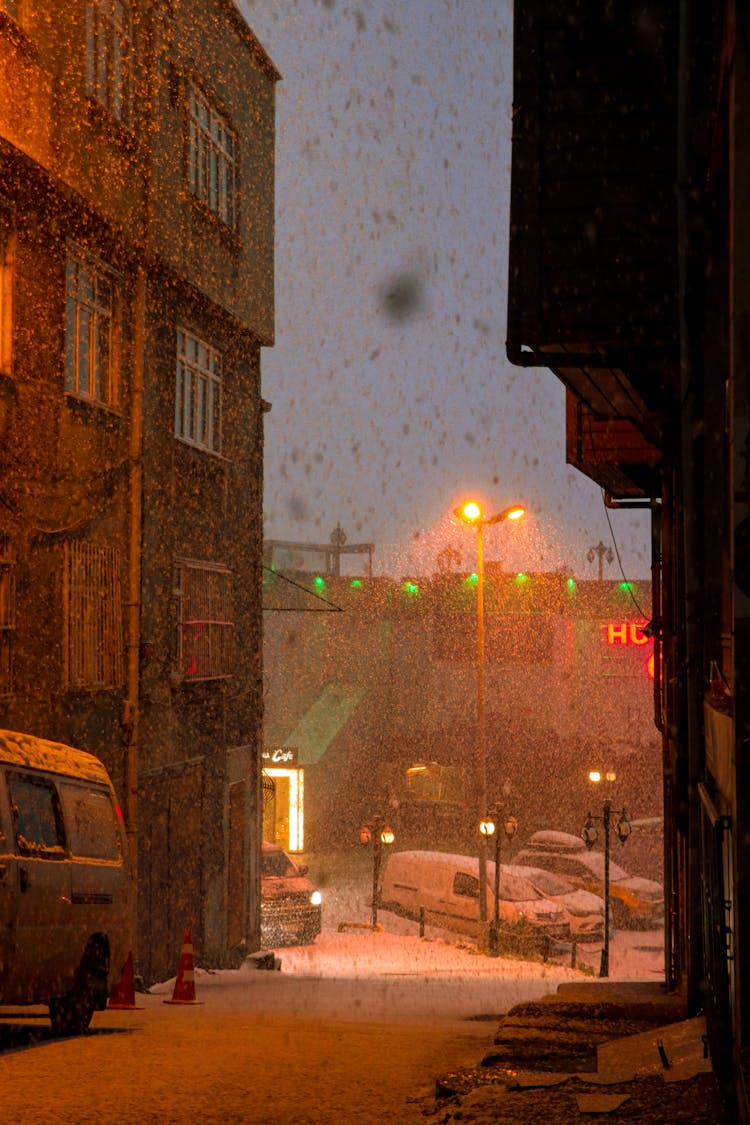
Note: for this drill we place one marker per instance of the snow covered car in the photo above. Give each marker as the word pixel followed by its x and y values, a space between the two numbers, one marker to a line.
pixel 290 906
pixel 635 902
pixel 446 888
pixel 585 910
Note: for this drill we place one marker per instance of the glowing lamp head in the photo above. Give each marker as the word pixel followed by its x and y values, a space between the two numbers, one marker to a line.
pixel 594 775
pixel 387 836
pixel 515 513
pixel 470 512
pixel 487 826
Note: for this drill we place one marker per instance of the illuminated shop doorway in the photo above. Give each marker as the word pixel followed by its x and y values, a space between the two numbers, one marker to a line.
pixel 283 803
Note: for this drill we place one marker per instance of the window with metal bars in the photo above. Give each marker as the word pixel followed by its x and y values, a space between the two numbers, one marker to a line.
pixel 205 628
pixel 109 53
pixel 7 615
pixel 212 157
pixel 197 409
pixel 93 617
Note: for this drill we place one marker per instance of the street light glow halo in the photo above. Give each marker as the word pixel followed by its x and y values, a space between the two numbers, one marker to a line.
pixel 470 512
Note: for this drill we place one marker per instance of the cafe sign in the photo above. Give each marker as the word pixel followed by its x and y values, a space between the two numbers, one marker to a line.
pixel 280 756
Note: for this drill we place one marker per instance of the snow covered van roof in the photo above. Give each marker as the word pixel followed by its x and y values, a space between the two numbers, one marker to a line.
pixel 40 754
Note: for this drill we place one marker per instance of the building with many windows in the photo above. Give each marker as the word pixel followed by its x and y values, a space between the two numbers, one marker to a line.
pixel 136 293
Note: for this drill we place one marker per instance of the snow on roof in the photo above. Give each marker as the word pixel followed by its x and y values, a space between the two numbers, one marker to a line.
pixel 558 840
pixel 27 750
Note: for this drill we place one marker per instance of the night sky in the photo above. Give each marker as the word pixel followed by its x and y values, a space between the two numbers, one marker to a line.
pixel 392 397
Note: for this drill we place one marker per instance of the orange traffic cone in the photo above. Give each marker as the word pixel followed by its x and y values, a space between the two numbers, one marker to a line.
pixel 123 993
pixel 184 986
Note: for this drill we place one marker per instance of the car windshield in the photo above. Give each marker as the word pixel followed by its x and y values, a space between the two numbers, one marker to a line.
pixel 595 862
pixel 550 884
pixel 278 864
pixel 513 888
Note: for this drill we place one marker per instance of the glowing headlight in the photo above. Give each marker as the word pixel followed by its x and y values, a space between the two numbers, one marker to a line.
pixel 316 898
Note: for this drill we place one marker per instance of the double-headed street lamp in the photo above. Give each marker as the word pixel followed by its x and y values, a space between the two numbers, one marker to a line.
pixel 380 835
pixel 496 818
pixel 590 835
pixel 471 513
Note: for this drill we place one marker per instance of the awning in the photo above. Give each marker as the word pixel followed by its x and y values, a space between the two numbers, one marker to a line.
pixel 319 726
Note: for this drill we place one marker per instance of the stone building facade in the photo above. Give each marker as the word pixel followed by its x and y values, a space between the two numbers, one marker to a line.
pixel 136 293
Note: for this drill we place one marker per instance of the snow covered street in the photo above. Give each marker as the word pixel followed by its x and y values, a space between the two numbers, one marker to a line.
pixel 355 1027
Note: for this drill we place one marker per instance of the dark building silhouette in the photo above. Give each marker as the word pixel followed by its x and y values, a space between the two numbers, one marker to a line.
pixel 628 278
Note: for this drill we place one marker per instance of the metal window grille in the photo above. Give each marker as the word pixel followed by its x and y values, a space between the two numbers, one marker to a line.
pixel 89 330
pixel 93 617
pixel 7 615
pixel 197 412
pixel 108 56
pixel 212 158
pixel 205 628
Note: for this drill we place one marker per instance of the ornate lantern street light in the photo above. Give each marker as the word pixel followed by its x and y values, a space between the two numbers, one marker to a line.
pixel 589 836
pixel 380 835
pixel 489 827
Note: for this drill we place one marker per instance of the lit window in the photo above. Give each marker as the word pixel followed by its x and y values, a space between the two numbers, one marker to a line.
pixel 93 617
pixel 197 409
pixel 7 262
pixel 205 629
pixel 212 158
pixel 108 55
pixel 7 615
pixel 89 330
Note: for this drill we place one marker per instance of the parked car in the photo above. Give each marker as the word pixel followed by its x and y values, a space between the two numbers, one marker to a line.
pixel 65 883
pixel 290 906
pixel 585 910
pixel 635 902
pixel 446 888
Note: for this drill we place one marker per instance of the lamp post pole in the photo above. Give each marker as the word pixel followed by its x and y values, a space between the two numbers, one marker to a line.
pixel 376 846
pixel 589 836
pixel 471 513
pixel 481 733
pixel 496 818
pixel 378 833
pixel 606 817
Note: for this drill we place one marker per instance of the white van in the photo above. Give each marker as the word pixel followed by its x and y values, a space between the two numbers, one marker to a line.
pixel 446 888
pixel 65 884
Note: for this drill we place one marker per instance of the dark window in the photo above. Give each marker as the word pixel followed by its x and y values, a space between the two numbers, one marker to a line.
pixel 37 824
pixel 278 865
pixel 466 885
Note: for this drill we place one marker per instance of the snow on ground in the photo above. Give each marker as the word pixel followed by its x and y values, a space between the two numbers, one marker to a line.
pixel 394 974
pixel 364 975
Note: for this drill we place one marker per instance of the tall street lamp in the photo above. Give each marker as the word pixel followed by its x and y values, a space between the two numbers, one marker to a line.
pixel 471 513
pixel 589 835
pixel 497 817
pixel 379 834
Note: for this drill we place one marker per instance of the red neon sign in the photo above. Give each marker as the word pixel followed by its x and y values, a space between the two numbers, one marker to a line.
pixel 626 633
